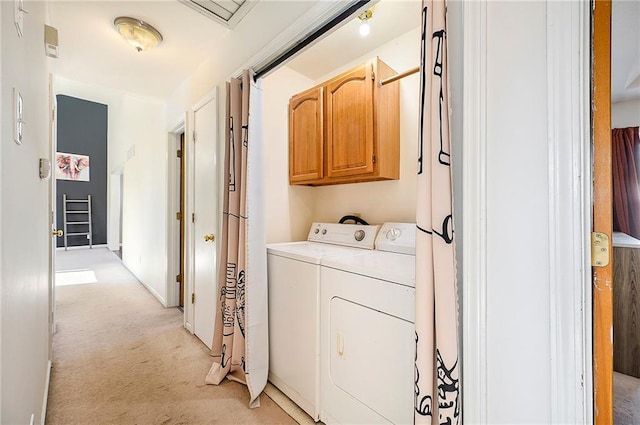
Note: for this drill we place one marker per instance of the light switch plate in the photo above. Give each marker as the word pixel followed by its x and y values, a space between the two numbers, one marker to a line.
pixel 18 15
pixel 18 116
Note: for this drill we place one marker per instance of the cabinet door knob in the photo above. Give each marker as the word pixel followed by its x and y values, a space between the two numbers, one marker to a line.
pixel 209 238
pixel 57 233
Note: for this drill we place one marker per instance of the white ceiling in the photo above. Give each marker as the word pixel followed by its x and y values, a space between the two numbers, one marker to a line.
pixel 625 50
pixel 91 50
pixel 391 19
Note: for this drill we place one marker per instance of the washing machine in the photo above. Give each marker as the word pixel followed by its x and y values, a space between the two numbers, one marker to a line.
pixel 293 275
pixel 367 316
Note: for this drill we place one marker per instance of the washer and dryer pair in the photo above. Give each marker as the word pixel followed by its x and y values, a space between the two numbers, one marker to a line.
pixel 341 322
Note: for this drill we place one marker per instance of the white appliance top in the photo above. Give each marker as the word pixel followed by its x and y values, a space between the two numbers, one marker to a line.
pixel 309 252
pixel 354 235
pixel 397 237
pixel 388 266
pixel 623 240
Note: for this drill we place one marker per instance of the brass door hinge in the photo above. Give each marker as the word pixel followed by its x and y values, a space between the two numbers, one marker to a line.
pixel 193 298
pixel 599 249
pixel 178 278
pixel 179 215
pixel 193 217
pixel 179 153
pixel 373 159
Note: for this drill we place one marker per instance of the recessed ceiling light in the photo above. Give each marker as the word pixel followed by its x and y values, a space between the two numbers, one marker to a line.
pixel 138 33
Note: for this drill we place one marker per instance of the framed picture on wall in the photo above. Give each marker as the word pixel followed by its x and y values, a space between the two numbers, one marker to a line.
pixel 72 166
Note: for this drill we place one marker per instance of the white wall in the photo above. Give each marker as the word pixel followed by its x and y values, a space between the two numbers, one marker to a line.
pixel 625 114
pixel 135 123
pixel 393 200
pixel 289 208
pixel 527 213
pixel 518 292
pixel 24 225
pixel 244 47
pixel 234 52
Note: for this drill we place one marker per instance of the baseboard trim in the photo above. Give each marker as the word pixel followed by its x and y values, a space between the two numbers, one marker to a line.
pixel 146 285
pixel 43 414
pixel 72 248
pixel 286 404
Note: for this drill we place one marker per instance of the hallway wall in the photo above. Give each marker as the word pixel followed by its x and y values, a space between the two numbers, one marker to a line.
pixel 82 129
pixel 24 222
pixel 137 147
pixel 625 113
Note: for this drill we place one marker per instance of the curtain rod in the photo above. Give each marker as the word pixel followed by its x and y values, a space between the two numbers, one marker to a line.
pixel 399 76
pixel 310 39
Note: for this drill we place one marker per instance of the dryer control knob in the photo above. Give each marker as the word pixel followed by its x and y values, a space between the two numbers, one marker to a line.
pixel 359 235
pixel 316 231
pixel 324 231
pixel 394 233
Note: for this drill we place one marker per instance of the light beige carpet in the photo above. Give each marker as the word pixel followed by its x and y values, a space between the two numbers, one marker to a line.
pixel 626 399
pixel 120 357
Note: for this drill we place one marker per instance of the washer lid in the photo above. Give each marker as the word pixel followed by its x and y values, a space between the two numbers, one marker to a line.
pixel 388 266
pixel 310 252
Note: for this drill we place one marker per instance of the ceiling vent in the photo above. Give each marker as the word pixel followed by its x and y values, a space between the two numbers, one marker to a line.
pixel 225 12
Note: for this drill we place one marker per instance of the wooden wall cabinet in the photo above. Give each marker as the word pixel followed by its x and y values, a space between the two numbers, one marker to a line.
pixel 347 129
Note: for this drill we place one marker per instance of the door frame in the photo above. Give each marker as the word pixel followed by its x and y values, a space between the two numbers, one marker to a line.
pixel 602 214
pixel 568 71
pixel 53 121
pixel 173 225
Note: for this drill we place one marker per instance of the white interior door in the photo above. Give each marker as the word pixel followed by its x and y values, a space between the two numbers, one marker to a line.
pixel 205 219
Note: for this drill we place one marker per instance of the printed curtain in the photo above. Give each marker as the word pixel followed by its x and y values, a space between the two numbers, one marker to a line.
pixel 625 148
pixel 437 371
pixel 240 338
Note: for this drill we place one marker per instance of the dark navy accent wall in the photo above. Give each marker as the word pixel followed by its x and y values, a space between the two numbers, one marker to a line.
pixel 82 129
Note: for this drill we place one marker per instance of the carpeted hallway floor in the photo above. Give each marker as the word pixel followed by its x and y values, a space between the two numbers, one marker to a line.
pixel 120 357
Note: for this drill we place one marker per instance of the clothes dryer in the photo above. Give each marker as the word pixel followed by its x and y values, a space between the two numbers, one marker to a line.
pixel 368 333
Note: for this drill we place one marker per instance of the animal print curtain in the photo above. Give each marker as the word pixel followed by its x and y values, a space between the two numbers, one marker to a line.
pixel 240 339
pixel 437 372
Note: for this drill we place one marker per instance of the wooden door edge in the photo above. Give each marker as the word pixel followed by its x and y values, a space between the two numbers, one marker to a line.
pixel 602 213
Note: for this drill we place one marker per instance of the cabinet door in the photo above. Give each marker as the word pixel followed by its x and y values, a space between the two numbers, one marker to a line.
pixel 306 135
pixel 350 123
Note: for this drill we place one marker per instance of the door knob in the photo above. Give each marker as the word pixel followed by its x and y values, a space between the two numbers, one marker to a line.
pixel 209 238
pixel 57 233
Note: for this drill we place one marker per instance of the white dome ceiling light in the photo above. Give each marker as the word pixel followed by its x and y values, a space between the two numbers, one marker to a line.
pixel 138 33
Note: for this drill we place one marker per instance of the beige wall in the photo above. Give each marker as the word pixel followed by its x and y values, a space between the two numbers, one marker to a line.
pixel 625 114
pixel 24 225
pixel 133 126
pixel 289 209
pixel 292 209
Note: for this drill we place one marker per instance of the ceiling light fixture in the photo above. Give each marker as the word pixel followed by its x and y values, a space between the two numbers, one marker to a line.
pixel 364 19
pixel 138 33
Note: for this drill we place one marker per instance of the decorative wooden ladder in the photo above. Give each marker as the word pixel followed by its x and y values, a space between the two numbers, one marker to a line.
pixel 81 218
